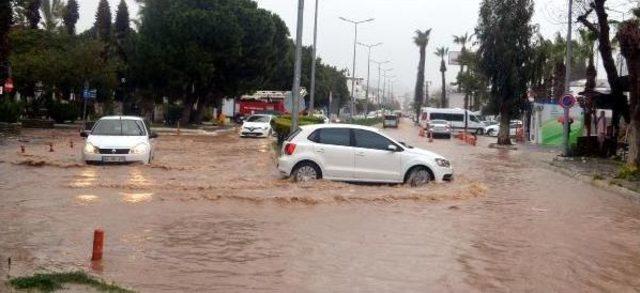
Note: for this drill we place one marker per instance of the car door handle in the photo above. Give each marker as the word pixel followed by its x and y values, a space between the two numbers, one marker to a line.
pixel 320 151
pixel 360 154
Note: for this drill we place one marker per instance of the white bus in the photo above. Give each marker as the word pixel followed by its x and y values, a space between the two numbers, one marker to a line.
pixel 456 117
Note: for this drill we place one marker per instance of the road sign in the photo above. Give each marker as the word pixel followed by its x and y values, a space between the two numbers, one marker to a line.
pixel 568 101
pixel 89 94
pixel 8 85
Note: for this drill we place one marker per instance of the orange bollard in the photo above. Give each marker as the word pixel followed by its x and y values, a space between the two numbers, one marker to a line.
pixel 98 244
pixel 51 147
pixel 22 149
pixel 430 136
pixel 421 132
pixel 178 129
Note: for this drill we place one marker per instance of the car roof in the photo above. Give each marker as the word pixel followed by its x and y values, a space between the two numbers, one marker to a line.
pixel 121 117
pixel 338 125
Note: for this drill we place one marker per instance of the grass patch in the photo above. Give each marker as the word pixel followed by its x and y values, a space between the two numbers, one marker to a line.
pixel 49 282
pixel 629 173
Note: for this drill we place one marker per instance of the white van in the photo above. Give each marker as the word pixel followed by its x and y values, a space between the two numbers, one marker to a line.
pixel 454 116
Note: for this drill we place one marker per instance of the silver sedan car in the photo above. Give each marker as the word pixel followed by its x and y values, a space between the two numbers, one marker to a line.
pixel 440 128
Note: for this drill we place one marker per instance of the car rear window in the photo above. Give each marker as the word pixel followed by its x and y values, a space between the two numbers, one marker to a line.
pixel 332 136
pixel 293 135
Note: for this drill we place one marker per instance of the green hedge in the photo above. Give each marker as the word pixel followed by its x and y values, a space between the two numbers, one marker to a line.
pixel 282 125
pixel 60 112
pixel 10 111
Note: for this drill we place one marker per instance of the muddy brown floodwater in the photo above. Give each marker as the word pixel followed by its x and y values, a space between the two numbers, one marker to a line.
pixel 212 214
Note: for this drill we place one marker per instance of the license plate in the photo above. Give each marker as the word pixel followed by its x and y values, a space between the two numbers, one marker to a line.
pixel 112 159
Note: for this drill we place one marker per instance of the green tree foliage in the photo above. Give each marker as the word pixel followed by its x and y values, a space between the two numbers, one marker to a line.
pixel 442 52
pixel 71 16
pixel 102 24
pixel 122 25
pixel 421 40
pixel 504 34
pixel 6 20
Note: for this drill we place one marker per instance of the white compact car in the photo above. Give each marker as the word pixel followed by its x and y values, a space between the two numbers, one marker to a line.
pixel 440 128
pixel 358 154
pixel 257 126
pixel 119 139
pixel 494 129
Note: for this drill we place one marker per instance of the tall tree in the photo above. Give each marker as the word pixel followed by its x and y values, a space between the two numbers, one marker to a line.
pixel 629 38
pixel 102 25
pixel 71 16
pixel 504 34
pixel 6 20
pixel 122 24
pixel 462 40
pixel 442 52
pixel 32 13
pixel 421 40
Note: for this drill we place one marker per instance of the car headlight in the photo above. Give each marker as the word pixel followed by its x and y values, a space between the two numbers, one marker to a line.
pixel 443 163
pixel 90 149
pixel 139 149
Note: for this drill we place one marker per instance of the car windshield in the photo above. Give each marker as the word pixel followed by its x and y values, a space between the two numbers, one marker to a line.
pixel 119 127
pixel 263 119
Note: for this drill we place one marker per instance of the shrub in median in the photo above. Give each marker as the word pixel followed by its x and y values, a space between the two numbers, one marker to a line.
pixel 10 111
pixel 282 125
pixel 62 112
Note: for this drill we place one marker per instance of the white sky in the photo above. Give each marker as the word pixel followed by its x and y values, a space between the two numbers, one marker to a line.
pixel 394 25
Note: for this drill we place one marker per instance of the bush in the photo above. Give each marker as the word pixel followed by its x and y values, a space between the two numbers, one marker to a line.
pixel 282 125
pixel 10 111
pixel 173 114
pixel 62 112
pixel 629 173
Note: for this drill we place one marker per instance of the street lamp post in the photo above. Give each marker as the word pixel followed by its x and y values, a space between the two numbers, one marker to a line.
pixel 353 73
pixel 384 84
pixel 379 78
pixel 313 62
pixel 366 101
pixel 295 92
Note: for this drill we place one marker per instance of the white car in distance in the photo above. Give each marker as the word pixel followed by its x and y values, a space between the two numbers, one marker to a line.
pixel 258 125
pixel 358 154
pixel 119 139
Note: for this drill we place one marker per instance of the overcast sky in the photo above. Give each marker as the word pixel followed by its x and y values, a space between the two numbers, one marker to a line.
pixel 394 25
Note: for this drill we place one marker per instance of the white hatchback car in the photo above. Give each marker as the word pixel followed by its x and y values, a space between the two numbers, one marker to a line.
pixel 258 125
pixel 119 139
pixel 358 154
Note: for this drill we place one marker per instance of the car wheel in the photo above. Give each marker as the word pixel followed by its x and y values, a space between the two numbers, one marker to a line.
pixel 419 177
pixel 305 172
pixel 490 132
pixel 480 131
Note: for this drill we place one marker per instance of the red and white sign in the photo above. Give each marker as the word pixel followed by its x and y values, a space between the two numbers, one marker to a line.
pixel 568 101
pixel 8 85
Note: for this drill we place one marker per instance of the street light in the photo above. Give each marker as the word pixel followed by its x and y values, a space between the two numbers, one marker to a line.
pixel 366 101
pixel 313 62
pixel 355 46
pixel 384 83
pixel 380 76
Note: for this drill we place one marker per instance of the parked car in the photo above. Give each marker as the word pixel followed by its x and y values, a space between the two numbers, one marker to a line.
pixel 119 139
pixel 358 154
pixel 390 121
pixel 440 128
pixel 493 130
pixel 258 125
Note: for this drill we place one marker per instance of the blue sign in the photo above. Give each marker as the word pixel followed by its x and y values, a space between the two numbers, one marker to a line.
pixel 89 94
pixel 568 101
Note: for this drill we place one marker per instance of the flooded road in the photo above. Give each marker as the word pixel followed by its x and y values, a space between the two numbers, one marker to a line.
pixel 212 214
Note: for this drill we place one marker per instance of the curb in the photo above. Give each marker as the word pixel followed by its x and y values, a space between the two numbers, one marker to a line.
pixel 600 183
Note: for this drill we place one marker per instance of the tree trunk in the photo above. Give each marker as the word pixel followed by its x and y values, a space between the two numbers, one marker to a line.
pixel 419 92
pixel 444 90
pixel 559 72
pixel 629 37
pixel 189 100
pixel 504 137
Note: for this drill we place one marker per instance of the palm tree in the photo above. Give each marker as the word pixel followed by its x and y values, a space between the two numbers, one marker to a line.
pixel 421 40
pixel 442 52
pixel 53 11
pixel 462 40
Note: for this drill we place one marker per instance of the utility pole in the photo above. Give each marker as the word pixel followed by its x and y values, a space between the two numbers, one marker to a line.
pixel 295 92
pixel 312 98
pixel 355 51
pixel 366 101
pixel 567 86
pixel 384 84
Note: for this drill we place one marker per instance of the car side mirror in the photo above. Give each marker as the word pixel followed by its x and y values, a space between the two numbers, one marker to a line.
pixel 84 134
pixel 392 148
pixel 153 135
